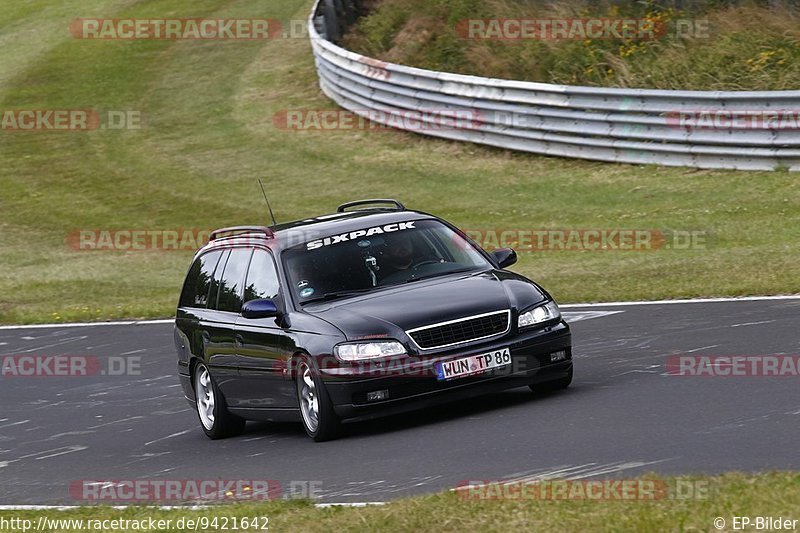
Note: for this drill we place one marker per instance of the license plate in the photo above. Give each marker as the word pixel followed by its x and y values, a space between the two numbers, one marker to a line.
pixel 472 365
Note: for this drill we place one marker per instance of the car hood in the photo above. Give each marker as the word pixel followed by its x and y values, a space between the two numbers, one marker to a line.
pixel 390 312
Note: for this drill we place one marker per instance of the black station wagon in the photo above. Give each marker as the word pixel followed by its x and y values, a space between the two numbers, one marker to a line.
pixel 369 311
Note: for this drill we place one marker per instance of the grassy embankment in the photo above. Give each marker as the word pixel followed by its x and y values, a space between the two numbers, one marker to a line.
pixel 769 495
pixel 207 133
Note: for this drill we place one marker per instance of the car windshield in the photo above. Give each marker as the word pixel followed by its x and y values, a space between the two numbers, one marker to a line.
pixel 374 257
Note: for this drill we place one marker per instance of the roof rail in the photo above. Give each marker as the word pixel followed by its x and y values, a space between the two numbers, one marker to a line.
pixel 397 206
pixel 218 234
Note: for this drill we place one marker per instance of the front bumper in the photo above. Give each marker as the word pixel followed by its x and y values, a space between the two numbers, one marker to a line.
pixel 418 387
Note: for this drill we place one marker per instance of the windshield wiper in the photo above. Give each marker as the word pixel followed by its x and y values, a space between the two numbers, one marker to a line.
pixel 336 294
pixel 353 292
pixel 437 274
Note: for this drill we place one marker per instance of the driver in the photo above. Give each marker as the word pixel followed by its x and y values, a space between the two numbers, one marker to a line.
pixel 399 253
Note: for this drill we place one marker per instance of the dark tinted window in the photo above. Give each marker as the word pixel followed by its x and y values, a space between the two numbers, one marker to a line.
pixel 230 287
pixel 386 255
pixel 214 291
pixel 198 281
pixel 262 279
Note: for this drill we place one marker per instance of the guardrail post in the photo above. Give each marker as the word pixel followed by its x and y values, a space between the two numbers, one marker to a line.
pixel 332 28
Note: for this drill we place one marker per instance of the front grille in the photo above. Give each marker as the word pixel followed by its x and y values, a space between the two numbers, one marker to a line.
pixel 462 330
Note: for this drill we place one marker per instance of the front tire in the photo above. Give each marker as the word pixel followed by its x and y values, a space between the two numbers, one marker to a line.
pixel 316 409
pixel 216 421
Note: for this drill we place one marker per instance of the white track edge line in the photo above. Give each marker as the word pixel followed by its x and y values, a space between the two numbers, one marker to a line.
pixel 685 301
pixel 90 324
pixel 564 306
pixel 161 507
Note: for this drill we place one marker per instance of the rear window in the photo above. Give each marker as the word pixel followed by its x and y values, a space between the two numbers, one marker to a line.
pixel 198 280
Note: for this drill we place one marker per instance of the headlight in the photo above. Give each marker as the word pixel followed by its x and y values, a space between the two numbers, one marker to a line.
pixel 543 313
pixel 362 351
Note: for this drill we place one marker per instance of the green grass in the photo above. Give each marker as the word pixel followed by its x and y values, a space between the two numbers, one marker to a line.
pixel 766 495
pixel 710 45
pixel 207 112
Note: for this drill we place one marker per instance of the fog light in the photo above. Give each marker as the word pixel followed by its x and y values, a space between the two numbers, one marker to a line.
pixel 378 395
pixel 558 356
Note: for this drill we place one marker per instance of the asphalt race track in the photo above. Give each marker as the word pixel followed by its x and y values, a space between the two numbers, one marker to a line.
pixel 623 416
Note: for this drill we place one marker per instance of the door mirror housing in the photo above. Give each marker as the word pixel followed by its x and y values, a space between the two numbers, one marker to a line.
pixel 505 257
pixel 261 308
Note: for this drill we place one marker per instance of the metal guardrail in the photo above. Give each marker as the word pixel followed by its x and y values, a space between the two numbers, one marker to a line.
pixel 606 124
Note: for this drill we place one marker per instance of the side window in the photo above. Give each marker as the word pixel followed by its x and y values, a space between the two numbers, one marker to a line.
pixel 214 291
pixel 230 286
pixel 262 279
pixel 198 280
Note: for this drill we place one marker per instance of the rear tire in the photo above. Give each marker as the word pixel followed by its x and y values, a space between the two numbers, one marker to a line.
pixel 216 421
pixel 316 408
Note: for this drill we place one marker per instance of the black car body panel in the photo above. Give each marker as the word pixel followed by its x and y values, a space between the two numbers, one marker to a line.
pixel 252 360
pixel 445 298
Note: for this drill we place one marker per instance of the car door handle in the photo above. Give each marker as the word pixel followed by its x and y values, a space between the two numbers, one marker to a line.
pixel 206 337
pixel 239 340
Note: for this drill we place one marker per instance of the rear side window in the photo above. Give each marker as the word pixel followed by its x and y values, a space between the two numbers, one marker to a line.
pixel 198 281
pixel 262 279
pixel 232 281
pixel 212 295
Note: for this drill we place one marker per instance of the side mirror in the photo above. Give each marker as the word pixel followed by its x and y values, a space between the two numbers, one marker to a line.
pixel 263 308
pixel 505 257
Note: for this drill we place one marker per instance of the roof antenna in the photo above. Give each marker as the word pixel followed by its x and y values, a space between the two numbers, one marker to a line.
pixel 268 206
